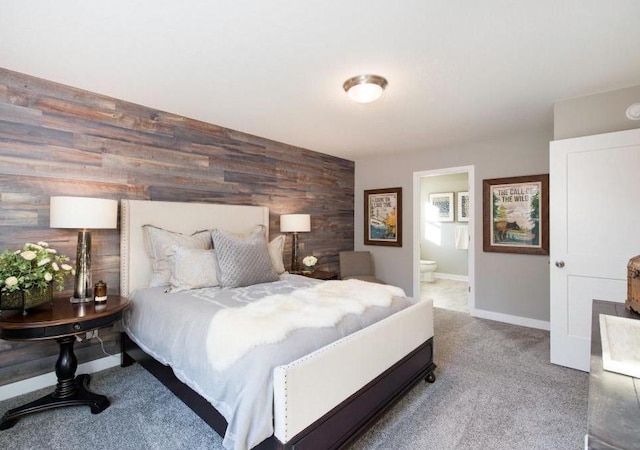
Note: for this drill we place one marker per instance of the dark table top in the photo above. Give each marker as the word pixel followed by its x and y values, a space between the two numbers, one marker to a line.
pixel 63 318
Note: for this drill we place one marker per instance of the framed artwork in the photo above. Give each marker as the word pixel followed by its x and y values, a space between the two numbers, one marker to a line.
pixel 463 207
pixel 516 215
pixel 383 217
pixel 442 207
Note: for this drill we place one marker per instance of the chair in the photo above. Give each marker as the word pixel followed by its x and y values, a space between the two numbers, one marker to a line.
pixel 358 265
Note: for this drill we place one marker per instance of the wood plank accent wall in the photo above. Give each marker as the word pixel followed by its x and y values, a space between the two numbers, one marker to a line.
pixel 58 140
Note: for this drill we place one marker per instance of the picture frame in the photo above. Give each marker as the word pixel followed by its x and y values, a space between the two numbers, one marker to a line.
pixel 516 215
pixel 462 207
pixel 443 206
pixel 383 217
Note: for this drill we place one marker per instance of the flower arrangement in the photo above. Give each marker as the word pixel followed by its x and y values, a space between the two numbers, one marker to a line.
pixel 309 261
pixel 33 266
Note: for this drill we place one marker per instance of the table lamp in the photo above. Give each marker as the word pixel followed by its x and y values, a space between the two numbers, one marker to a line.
pixel 295 223
pixel 83 214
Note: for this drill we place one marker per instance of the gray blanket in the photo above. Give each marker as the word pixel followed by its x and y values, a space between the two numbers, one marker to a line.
pixel 173 328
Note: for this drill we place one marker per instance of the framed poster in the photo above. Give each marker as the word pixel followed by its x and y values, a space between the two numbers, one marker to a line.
pixel 463 207
pixel 383 217
pixel 516 215
pixel 442 204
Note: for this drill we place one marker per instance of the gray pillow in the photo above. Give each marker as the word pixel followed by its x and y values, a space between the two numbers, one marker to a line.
pixel 243 260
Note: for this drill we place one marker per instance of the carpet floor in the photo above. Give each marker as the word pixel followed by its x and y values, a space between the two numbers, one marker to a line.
pixel 495 390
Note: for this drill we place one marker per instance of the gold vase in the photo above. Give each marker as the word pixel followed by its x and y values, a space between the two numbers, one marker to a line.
pixel 25 299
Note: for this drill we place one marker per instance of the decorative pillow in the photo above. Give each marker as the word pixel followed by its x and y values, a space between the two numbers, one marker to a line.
pixel 192 268
pixel 276 248
pixel 158 243
pixel 243 261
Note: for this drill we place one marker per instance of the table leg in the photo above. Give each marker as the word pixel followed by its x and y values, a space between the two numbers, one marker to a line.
pixel 70 390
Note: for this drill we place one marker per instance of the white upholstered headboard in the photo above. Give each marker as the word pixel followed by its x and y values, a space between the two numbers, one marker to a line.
pixel 186 218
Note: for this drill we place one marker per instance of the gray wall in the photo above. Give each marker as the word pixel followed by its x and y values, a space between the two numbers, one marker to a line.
pixel 449 259
pixel 510 284
pixel 516 285
pixel 595 114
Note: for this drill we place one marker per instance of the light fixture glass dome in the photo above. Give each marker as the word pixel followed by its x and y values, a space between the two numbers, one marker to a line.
pixel 633 112
pixel 365 88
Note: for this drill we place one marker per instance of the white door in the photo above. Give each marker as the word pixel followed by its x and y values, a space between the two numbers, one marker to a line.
pixel 594 231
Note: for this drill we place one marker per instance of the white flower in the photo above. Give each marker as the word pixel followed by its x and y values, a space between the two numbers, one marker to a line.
pixel 33 265
pixel 29 255
pixel 309 261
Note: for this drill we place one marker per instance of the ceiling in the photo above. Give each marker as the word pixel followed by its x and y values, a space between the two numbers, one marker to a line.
pixel 458 71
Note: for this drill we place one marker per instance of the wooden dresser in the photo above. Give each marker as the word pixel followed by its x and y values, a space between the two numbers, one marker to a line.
pixel 614 399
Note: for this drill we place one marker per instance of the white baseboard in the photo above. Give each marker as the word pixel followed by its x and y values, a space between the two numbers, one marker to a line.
pixel 50 379
pixel 451 276
pixel 514 320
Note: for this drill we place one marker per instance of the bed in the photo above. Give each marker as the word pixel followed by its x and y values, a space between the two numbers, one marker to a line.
pixel 324 397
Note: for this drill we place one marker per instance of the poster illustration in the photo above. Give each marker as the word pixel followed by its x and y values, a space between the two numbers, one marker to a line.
pixel 516 215
pixel 383 217
pixel 443 204
pixel 463 207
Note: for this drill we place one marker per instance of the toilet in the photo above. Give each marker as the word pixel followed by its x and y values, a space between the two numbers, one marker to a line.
pixel 428 270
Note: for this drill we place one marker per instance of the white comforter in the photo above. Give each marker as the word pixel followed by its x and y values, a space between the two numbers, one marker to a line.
pixel 173 328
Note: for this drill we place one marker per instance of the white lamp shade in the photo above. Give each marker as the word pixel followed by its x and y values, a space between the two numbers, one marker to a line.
pixel 295 223
pixel 83 213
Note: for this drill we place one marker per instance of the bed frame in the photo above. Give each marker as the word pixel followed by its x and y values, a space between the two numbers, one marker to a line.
pixel 322 400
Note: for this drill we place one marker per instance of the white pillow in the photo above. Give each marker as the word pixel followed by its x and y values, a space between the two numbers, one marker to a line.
pixel 192 268
pixel 276 248
pixel 158 244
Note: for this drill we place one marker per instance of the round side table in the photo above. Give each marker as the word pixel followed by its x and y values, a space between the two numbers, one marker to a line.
pixel 61 321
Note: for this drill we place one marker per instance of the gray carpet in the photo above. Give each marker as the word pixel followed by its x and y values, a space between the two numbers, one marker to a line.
pixel 495 390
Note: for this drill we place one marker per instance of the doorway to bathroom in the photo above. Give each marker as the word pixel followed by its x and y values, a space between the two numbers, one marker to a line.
pixel 443 237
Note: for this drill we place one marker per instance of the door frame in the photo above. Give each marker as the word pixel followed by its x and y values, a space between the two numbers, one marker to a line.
pixel 470 171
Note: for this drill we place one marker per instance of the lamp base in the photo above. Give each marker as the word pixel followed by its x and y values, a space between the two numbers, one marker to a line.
pixel 295 264
pixel 82 289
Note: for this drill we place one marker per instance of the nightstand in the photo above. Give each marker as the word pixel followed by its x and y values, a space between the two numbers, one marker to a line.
pixel 62 322
pixel 321 274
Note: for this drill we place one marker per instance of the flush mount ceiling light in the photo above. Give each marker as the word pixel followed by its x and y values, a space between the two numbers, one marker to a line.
pixel 633 112
pixel 365 88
